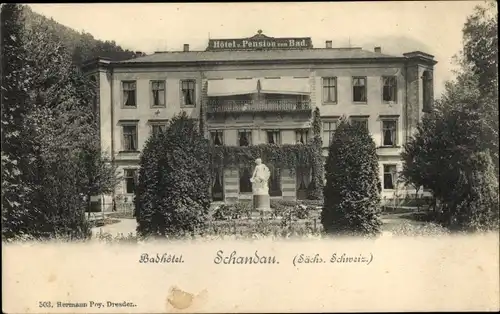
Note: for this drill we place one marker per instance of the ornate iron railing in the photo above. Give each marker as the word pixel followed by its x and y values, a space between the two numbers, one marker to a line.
pixel 216 106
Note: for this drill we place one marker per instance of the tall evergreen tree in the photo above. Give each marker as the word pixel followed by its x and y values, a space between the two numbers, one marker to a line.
pixel 15 134
pixel 352 190
pixel 315 188
pixel 172 196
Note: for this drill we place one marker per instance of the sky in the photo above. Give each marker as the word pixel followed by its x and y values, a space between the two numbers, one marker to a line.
pixel 433 27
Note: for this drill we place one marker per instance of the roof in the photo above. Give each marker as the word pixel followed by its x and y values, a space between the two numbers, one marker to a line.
pixel 264 55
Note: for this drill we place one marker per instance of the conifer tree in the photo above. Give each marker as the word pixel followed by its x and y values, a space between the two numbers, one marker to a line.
pixel 352 190
pixel 172 195
pixel 15 134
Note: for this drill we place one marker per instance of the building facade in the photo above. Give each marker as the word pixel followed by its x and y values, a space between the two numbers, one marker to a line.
pixel 261 90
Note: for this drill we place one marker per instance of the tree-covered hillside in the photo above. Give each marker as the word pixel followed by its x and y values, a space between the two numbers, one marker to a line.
pixel 83 46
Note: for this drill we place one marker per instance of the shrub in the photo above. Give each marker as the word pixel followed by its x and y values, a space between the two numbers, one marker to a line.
pixel 290 210
pixel 313 203
pixel 242 209
pixel 172 195
pixel 54 207
pixel 473 204
pixel 302 211
pixel 233 211
pixel 222 212
pixel 352 191
pixel 280 207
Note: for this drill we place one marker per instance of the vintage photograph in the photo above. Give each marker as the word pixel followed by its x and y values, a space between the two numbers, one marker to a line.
pixel 135 123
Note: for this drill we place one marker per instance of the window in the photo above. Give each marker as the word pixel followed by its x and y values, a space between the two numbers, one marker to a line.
pixel 389 132
pixel 302 136
pixel 245 137
pixel 328 130
pixel 360 122
pixel 389 89
pixel 245 184
pixel 274 181
pixel 129 94
pixel 188 92
pixel 428 93
pixel 329 89
pixel 274 137
pixel 389 177
pixel 158 93
pixel 130 180
pixel 359 89
pixel 217 137
pixel 130 137
pixel 157 128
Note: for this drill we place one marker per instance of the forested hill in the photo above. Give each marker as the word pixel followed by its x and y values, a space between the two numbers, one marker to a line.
pixel 83 46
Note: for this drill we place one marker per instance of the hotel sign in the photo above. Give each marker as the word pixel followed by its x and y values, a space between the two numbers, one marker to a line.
pixel 252 43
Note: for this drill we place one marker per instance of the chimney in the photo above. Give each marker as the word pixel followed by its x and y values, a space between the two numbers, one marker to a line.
pixel 186 47
pixel 328 44
pixel 378 49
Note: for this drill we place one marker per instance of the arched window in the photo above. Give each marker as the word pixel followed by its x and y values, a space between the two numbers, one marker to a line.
pixel 428 93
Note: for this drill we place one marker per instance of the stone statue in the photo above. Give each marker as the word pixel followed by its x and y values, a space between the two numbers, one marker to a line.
pixel 259 178
pixel 260 188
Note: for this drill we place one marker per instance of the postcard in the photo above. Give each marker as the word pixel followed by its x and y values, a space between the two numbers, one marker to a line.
pixel 250 157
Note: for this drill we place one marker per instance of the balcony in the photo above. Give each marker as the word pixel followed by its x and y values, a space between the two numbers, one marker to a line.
pixel 216 106
pixel 389 150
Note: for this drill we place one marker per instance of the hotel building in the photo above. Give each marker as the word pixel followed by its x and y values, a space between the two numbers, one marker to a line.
pixel 261 90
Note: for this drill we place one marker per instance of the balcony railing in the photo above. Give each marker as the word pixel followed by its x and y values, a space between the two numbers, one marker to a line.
pixel 258 106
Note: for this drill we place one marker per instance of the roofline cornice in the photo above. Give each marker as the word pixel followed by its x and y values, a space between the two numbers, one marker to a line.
pixel 422 60
pixel 103 64
pixel 258 62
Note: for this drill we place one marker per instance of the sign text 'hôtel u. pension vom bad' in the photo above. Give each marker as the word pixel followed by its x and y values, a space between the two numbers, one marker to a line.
pixel 259 42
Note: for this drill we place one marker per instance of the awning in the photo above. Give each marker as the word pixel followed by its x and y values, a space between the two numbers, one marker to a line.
pixel 287 85
pixel 230 87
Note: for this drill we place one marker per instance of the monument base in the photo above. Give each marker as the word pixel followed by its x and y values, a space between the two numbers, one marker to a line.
pixel 262 203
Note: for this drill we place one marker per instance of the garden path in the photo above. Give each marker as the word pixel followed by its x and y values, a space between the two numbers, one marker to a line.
pixel 125 226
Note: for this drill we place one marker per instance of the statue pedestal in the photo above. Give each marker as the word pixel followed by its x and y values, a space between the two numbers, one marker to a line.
pixel 262 203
